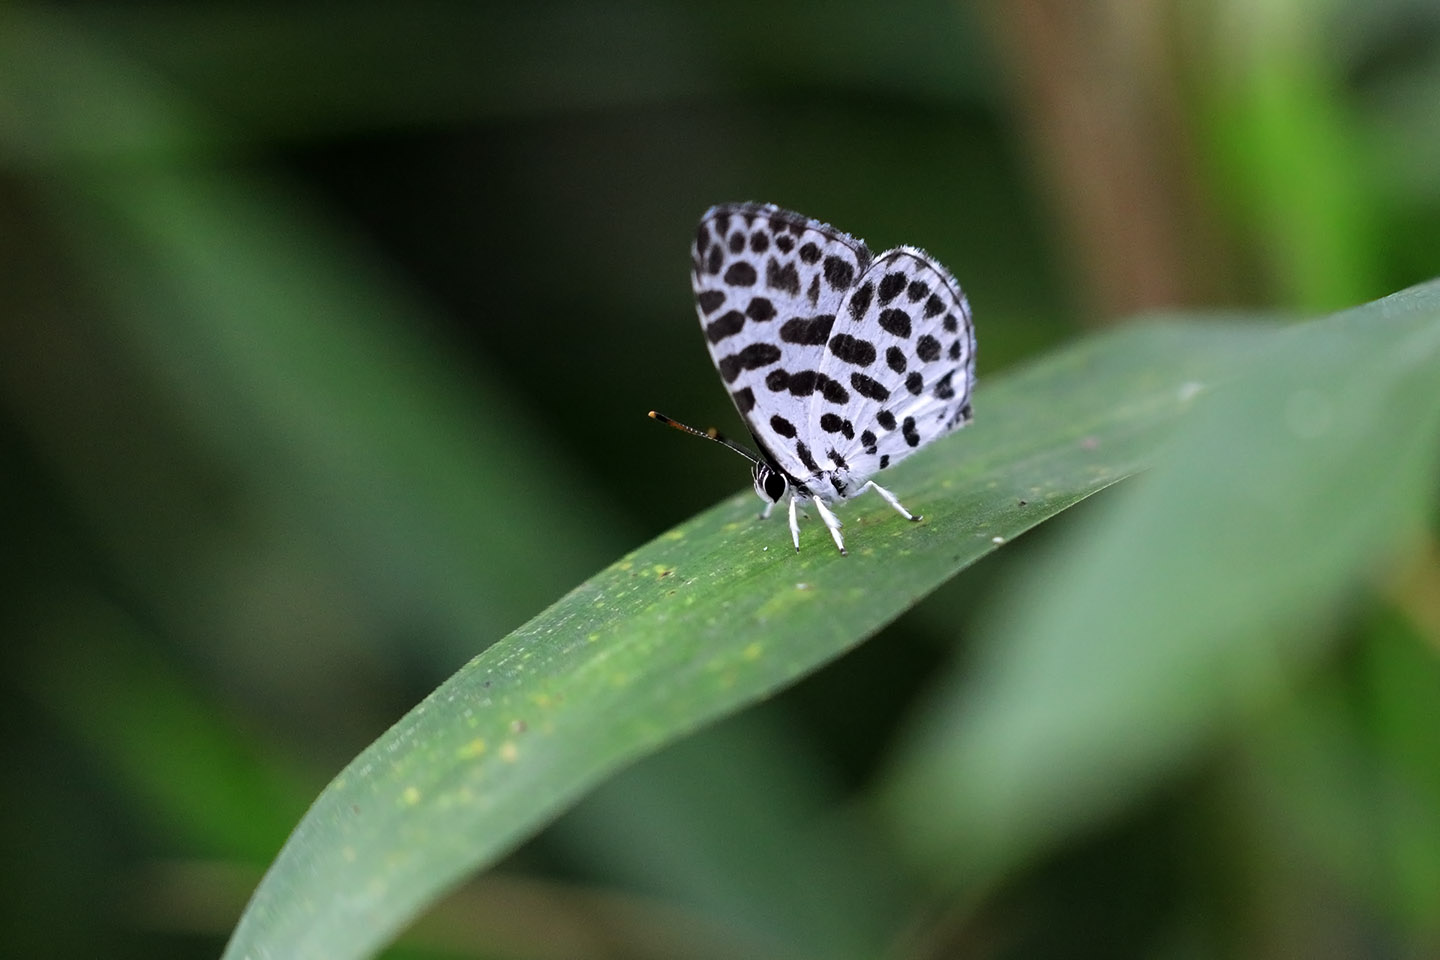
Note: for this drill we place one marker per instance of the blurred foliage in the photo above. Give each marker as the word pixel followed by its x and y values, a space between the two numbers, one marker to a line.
pixel 326 336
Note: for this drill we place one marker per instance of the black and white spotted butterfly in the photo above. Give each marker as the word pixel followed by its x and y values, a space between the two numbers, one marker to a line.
pixel 842 363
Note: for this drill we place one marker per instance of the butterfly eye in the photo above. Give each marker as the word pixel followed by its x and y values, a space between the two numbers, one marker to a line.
pixel 775 486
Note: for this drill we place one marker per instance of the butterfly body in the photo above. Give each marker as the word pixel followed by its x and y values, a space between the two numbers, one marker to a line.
pixel 841 362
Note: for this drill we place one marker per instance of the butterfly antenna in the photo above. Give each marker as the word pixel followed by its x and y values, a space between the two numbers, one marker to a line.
pixel 710 434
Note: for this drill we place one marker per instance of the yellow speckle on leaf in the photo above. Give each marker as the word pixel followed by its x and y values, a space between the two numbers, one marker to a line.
pixel 509 752
pixel 411 796
pixel 473 749
pixel 676 534
pixel 753 651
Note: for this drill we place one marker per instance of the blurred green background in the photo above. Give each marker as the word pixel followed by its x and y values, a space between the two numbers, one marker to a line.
pixel 326 337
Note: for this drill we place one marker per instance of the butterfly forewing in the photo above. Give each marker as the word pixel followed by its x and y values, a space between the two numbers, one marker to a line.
pixel 769 289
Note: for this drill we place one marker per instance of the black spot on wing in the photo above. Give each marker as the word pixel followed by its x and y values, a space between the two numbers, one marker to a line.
pixel 831 423
pixel 832 390
pixel 702 239
pixel 740 274
pixel 782 278
pixel 955 350
pixel 868 387
pixel 710 300
pixel 737 242
pixel 927 348
pixel 728 325
pixel 722 224
pixel 852 349
pixel 717 257
pixel 917 290
pixel 759 241
pixel 915 383
pixel 891 286
pixel 744 400
pixel 896 322
pixel 951 324
pixel 782 426
pixel 934 307
pixel 809 331
pixel 838 273
pixel 944 389
pixel 803 452
pixel 813 294
pixel 809 253
pixel 884 460
pixel 907 430
pixel 840 464
pixel 895 359
pixel 867 440
pixel 760 309
pixel 860 301
pixel 803 382
pixel 752 357
pixel 886 419
pixel 784 242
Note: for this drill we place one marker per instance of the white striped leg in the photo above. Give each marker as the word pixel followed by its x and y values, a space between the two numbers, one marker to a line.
pixel 831 521
pixel 765 514
pixel 890 499
pixel 794 523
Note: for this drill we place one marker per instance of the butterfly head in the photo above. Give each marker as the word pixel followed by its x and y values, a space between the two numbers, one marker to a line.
pixel 769 485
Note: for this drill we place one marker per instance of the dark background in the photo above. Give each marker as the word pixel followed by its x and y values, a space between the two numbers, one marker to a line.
pixel 327 331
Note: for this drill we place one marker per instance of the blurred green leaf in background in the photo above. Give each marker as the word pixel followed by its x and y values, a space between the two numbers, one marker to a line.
pixel 326 337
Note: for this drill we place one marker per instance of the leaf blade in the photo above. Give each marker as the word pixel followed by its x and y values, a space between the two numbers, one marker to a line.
pixel 717 613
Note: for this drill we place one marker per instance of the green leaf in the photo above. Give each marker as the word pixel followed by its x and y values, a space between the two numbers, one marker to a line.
pixel 713 615
pixel 1193 597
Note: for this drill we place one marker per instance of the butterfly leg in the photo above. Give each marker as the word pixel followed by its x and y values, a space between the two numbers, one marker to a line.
pixel 833 522
pixel 891 499
pixel 794 523
pixel 765 514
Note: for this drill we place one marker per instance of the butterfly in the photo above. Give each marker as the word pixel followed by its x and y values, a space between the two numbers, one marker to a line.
pixel 841 363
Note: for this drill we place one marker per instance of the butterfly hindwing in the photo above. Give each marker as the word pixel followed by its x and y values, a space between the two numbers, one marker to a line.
pixel 904 347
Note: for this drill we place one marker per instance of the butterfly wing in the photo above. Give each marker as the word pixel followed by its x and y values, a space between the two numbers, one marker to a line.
pixel 769 285
pixel 903 346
